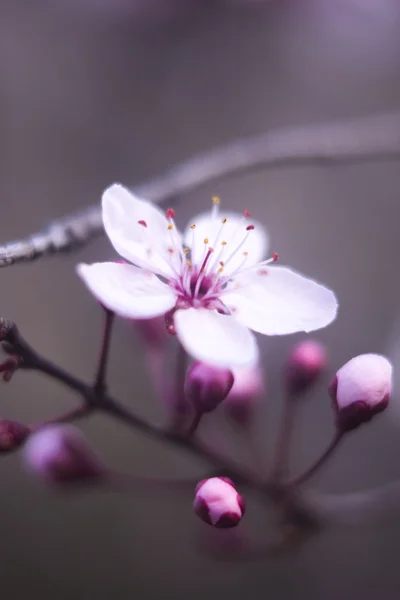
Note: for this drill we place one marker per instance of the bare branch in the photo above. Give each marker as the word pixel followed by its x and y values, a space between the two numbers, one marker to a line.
pixel 374 506
pixel 368 138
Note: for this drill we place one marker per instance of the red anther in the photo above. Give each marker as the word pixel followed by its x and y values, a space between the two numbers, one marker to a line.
pixel 143 223
pixel 170 213
pixel 249 227
pixel 275 256
pixel 246 214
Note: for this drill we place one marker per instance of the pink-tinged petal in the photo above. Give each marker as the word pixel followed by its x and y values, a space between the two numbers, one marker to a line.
pixel 233 233
pixel 127 290
pixel 214 338
pixel 139 231
pixel 278 301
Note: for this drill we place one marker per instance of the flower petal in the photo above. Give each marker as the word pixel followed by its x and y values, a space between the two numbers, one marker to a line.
pixel 139 231
pixel 127 290
pixel 208 226
pixel 277 301
pixel 214 338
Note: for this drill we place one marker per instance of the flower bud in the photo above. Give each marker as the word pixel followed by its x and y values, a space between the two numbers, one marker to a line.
pixel 361 389
pixel 207 386
pixel 218 503
pixel 60 455
pixel 305 364
pixel 12 435
pixel 248 387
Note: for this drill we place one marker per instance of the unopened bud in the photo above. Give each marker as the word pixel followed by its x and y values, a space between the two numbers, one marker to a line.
pixel 361 389
pixel 60 455
pixel 12 435
pixel 207 386
pixel 152 331
pixel 306 363
pixel 218 503
pixel 248 387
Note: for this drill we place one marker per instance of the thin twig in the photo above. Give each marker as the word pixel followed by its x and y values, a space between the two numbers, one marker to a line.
pixel 368 138
pixel 310 472
pixel 100 381
pixel 285 433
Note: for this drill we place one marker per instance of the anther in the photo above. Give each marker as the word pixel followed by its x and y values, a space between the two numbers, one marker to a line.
pixel 249 227
pixel 246 214
pixel 143 223
pixel 170 213
pixel 275 256
pixel 216 199
pixel 193 226
pixel 224 220
pixel 206 240
pixel 170 226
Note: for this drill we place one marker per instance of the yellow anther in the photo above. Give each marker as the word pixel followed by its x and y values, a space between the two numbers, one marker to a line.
pixel 186 251
pixel 224 220
pixel 189 263
pixel 220 270
pixel 223 243
pixel 216 199
pixel 206 240
pixel 170 226
pixel 193 226
pixel 245 253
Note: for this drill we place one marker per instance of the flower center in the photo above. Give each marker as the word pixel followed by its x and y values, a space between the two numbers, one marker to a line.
pixel 202 275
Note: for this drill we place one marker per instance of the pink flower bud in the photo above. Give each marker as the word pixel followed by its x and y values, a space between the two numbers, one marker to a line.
pixel 218 503
pixel 60 455
pixel 207 386
pixel 305 364
pixel 361 389
pixel 248 387
pixel 152 331
pixel 12 435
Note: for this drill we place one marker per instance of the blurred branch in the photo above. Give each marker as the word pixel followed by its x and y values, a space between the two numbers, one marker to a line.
pixel 374 506
pixel 368 138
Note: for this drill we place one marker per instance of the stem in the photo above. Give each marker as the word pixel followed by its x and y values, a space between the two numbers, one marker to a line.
pixel 68 417
pixel 282 454
pixel 100 381
pixel 179 404
pixel 195 423
pixel 310 472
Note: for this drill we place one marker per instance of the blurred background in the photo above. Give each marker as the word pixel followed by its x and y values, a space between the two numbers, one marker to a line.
pixel 97 91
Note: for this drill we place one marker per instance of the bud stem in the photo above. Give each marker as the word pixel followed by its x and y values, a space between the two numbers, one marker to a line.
pixel 195 423
pixel 310 472
pixel 282 452
pixel 100 381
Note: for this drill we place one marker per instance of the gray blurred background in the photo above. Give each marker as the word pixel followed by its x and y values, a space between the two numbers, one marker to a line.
pixel 97 91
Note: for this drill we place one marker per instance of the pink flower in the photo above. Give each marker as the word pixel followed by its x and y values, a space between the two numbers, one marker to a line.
pixel 212 281
pixel 361 389
pixel 218 503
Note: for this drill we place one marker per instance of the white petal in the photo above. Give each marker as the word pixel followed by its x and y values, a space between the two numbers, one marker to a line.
pixel 277 301
pixel 127 290
pixel 138 230
pixel 213 338
pixel 233 232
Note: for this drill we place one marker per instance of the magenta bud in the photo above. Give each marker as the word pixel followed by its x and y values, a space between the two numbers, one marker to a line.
pixel 12 435
pixel 361 389
pixel 207 386
pixel 218 503
pixel 60 455
pixel 248 387
pixel 305 364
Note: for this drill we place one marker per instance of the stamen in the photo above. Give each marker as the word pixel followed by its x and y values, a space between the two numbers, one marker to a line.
pixel 275 257
pixel 170 226
pixel 249 227
pixel 170 213
pixel 246 214
pixel 215 209
pixel 143 223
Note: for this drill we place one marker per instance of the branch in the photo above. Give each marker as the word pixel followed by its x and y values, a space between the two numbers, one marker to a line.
pixel 368 138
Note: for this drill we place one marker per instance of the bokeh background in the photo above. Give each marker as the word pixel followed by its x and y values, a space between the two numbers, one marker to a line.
pixel 97 91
